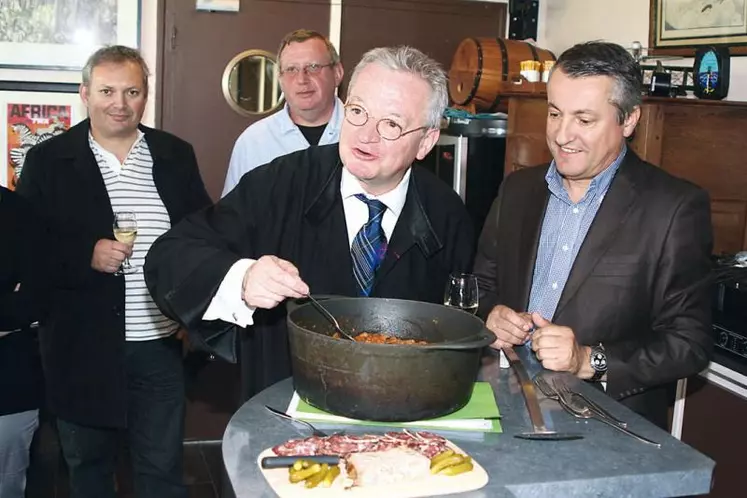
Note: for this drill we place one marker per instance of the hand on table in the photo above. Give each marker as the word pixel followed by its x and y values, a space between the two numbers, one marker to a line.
pixel 556 347
pixel 510 327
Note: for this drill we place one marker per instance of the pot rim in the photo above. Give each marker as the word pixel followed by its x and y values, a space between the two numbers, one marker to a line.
pixel 474 341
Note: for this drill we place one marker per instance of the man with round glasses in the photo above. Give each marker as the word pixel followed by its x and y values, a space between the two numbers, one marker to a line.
pixel 310 72
pixel 352 219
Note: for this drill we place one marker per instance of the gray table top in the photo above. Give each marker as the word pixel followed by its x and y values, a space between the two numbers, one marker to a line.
pixel 604 463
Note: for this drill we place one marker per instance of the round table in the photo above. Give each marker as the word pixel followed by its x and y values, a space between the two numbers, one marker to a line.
pixel 604 463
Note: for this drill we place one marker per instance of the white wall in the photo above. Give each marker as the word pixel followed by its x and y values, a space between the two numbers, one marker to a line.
pixel 148 38
pixel 562 23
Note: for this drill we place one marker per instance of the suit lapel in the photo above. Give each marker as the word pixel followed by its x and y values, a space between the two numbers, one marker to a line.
pixel 326 210
pixel 87 169
pixel 530 229
pixel 412 228
pixel 612 213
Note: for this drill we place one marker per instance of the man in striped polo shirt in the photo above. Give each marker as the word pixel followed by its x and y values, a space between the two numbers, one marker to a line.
pixel 112 360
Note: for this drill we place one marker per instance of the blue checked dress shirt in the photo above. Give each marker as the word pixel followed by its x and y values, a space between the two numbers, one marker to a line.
pixel 369 246
pixel 563 231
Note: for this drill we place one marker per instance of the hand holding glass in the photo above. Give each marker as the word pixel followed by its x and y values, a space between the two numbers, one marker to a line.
pixel 125 231
pixel 461 292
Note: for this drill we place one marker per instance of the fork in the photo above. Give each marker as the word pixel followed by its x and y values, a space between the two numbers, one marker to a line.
pixel 314 430
pixel 584 412
pixel 553 394
pixel 550 393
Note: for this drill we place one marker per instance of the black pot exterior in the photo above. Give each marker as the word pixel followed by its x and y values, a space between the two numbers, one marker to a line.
pixel 388 383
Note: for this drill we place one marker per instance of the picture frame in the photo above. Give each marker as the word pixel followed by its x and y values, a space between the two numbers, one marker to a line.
pixel 60 35
pixel 29 114
pixel 679 27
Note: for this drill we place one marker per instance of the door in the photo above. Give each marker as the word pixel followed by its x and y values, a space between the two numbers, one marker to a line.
pixel 195 48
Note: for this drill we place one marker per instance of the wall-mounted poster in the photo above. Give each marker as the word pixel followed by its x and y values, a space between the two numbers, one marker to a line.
pixel 28 125
pixel 28 118
pixel 61 34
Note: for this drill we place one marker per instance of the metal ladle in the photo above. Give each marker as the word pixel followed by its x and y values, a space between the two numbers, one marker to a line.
pixel 321 309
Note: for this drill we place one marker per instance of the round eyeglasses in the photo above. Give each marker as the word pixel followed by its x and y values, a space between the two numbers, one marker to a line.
pixel 387 128
pixel 311 68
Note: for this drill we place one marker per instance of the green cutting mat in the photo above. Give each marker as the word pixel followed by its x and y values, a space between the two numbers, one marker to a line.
pixel 481 405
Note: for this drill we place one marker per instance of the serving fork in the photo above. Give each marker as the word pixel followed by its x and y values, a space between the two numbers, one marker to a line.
pixel 584 412
pixel 551 393
pixel 314 430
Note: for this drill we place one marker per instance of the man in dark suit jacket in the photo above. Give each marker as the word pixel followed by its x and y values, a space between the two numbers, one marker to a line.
pixel 112 360
pixel 22 271
pixel 293 226
pixel 603 256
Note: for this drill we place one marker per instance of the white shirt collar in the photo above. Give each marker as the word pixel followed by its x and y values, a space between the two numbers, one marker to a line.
pixel 109 158
pixel 394 200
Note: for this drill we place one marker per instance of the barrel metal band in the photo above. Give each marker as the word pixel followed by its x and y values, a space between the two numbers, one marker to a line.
pixel 504 56
pixel 478 74
pixel 535 55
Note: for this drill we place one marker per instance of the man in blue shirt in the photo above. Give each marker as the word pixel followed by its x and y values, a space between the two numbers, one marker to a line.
pixel 601 258
pixel 310 72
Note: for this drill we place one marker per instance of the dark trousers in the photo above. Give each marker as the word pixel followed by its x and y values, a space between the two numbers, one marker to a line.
pixel 155 429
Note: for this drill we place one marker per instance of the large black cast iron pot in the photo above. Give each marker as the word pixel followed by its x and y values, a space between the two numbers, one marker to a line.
pixel 384 382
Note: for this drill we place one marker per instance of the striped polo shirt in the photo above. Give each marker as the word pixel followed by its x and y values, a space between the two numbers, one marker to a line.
pixel 131 187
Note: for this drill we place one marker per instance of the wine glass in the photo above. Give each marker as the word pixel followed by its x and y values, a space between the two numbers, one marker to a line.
pixel 461 292
pixel 125 231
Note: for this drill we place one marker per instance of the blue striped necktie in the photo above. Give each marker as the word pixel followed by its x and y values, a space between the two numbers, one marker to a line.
pixel 369 246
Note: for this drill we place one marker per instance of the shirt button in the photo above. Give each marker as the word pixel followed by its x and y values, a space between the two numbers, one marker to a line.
pixel 554 285
pixel 575 210
pixel 565 247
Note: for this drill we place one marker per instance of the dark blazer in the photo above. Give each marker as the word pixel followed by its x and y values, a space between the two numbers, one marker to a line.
pixel 639 284
pixel 82 339
pixel 292 208
pixel 22 261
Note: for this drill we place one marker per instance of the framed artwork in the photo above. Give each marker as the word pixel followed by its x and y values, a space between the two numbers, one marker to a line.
pixel 678 27
pixel 30 114
pixel 62 34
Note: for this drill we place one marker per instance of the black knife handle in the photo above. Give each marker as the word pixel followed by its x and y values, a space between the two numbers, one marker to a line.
pixel 276 462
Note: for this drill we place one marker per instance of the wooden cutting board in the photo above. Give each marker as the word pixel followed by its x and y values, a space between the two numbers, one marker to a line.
pixel 431 485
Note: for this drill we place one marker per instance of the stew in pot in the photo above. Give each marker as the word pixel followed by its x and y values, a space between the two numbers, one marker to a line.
pixel 375 338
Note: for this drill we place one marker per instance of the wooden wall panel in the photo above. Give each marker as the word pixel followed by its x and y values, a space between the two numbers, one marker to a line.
pixel 706 144
pixel 701 141
pixel 434 26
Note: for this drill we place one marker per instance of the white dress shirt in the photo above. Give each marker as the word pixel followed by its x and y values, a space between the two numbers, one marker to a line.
pixel 228 304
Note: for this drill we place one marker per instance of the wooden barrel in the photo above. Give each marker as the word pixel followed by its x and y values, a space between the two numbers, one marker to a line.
pixel 481 65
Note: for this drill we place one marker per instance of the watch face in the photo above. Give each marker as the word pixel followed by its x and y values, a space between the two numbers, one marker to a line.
pixel 598 360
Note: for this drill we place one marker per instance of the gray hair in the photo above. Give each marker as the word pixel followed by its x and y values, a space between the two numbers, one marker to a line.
pixel 598 58
pixel 301 35
pixel 411 60
pixel 116 54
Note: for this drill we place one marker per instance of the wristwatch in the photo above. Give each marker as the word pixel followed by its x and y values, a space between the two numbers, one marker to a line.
pixel 598 360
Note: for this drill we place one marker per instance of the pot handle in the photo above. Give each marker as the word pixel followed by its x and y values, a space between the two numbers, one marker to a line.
pixel 484 338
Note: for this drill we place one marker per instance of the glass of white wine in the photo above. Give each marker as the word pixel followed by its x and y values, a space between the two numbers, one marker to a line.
pixel 125 231
pixel 461 292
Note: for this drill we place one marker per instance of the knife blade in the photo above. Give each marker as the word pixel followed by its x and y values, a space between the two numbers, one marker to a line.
pixel 276 462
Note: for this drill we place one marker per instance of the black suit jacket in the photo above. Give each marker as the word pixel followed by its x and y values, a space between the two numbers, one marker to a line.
pixel 22 261
pixel 639 283
pixel 292 208
pixel 82 339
